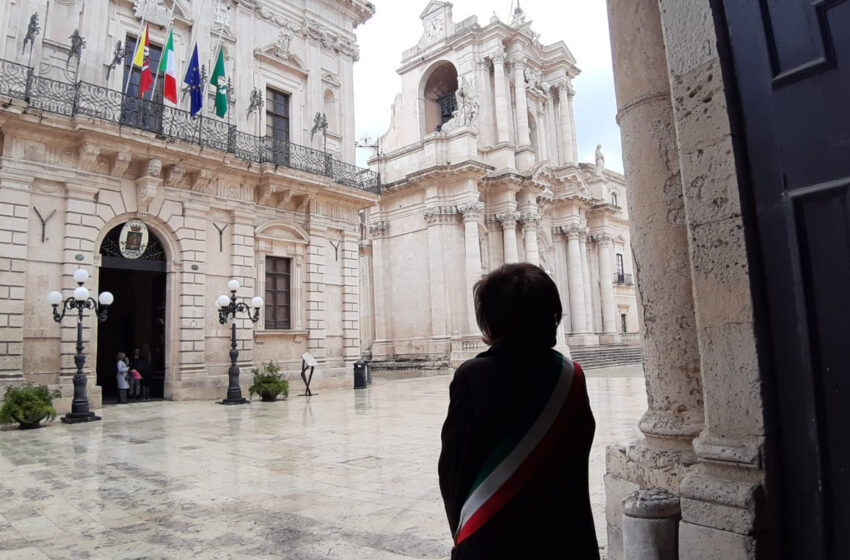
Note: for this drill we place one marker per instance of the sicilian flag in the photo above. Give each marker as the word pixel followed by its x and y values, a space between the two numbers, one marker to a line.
pixel 519 455
pixel 168 68
pixel 142 60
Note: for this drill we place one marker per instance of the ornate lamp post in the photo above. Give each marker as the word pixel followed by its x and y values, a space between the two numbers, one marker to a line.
pixel 78 302
pixel 228 307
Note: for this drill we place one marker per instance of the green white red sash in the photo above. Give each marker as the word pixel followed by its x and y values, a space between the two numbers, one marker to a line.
pixel 516 459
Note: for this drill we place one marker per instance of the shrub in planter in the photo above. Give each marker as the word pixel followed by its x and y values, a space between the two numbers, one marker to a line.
pixel 28 405
pixel 268 383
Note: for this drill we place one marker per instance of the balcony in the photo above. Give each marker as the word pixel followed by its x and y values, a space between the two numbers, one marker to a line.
pixel 82 98
pixel 623 279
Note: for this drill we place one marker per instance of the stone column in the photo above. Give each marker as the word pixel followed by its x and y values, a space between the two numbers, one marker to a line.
pixel 243 263
pixel 523 137
pixel 660 242
pixel 542 135
pixel 606 285
pixel 315 285
pixel 367 301
pixel 569 150
pixel 472 214
pixel 437 218
pixel 529 232
pixel 585 273
pixel 381 278
pixel 509 221
pixel 500 98
pixel 575 279
pixel 553 136
pixel 485 96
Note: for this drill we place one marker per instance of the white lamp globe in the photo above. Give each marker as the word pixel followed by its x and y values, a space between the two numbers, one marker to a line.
pixel 106 298
pixel 80 276
pixel 222 301
pixel 257 302
pixel 54 298
pixel 81 293
pixel 233 285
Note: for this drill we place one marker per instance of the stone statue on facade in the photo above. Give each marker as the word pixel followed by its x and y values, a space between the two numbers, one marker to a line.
pixel 282 45
pixel 600 161
pixel 466 113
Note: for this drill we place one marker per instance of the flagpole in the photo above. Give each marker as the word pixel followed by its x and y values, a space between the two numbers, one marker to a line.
pixel 170 28
pixel 218 46
pixel 135 48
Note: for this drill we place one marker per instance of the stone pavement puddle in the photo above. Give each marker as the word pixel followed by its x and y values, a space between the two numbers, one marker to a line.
pixel 344 475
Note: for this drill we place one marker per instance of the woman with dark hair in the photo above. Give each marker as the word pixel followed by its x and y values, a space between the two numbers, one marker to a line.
pixel 516 440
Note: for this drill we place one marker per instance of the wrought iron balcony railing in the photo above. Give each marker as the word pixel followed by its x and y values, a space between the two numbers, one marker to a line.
pixel 623 279
pixel 82 98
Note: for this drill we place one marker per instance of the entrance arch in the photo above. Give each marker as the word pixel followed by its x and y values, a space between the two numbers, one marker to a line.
pixel 138 318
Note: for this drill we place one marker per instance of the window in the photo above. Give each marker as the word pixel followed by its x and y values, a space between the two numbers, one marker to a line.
pixel 277 126
pixel 277 115
pixel 448 105
pixel 277 293
pixel 145 113
pixel 623 322
pixel 620 270
pixel 614 199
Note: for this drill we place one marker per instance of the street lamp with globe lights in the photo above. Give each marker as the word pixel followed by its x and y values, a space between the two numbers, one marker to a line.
pixel 227 308
pixel 78 302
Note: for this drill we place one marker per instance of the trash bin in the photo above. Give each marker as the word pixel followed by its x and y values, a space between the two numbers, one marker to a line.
pixel 359 374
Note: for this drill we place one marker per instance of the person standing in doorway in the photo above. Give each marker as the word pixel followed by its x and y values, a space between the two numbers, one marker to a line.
pixel 122 377
pixel 142 365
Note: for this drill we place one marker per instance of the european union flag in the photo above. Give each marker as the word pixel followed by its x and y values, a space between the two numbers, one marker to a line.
pixel 193 80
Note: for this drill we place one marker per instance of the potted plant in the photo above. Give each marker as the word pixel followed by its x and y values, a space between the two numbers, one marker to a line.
pixel 268 382
pixel 28 405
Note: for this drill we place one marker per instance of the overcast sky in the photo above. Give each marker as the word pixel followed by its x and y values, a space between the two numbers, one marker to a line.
pixel 581 24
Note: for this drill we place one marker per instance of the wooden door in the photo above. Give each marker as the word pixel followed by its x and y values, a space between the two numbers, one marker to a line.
pixel 790 72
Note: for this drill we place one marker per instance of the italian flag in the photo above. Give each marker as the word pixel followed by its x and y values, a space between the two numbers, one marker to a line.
pixel 168 68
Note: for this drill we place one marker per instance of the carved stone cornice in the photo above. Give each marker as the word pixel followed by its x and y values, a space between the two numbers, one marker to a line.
pixel 472 211
pixel 439 215
pixel 508 219
pixel 379 229
pixel 545 198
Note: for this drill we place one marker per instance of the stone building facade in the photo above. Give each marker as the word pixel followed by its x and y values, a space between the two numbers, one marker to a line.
pixel 734 128
pixel 253 196
pixel 479 168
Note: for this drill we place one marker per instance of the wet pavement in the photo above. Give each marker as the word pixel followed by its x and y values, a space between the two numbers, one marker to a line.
pixel 344 475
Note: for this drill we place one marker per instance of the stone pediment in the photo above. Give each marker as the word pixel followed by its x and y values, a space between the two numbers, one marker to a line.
pixel 275 54
pixel 331 79
pixel 434 6
pixel 281 231
pixel 157 12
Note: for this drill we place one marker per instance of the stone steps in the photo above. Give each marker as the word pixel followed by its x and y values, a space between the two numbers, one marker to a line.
pixel 594 357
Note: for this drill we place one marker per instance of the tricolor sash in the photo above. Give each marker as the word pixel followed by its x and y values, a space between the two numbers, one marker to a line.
pixel 517 457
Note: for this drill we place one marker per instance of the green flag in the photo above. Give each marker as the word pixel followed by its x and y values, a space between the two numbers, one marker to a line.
pixel 219 80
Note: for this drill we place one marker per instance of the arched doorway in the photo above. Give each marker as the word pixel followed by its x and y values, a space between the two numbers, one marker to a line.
pixel 137 318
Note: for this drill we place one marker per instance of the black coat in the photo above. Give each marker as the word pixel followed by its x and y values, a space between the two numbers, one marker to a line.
pixel 550 517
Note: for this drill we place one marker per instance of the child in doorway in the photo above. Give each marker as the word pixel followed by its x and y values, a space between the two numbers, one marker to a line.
pixel 122 377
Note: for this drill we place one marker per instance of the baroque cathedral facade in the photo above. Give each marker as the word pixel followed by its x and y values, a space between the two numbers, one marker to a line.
pixel 479 168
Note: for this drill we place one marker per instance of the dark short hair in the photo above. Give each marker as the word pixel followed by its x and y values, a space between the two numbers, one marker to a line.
pixel 518 305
